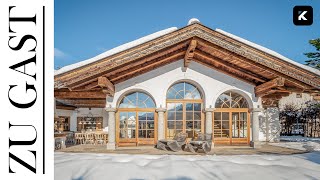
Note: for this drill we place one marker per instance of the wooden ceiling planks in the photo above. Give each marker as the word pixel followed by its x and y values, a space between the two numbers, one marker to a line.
pixel 79 94
pixel 158 62
pixel 81 76
pixel 241 61
pixel 248 74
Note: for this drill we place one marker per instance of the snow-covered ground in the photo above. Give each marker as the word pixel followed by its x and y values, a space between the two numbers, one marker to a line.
pixel 81 166
pixel 299 142
pixel 298 139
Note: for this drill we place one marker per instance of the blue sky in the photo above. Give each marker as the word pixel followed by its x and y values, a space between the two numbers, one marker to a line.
pixel 84 29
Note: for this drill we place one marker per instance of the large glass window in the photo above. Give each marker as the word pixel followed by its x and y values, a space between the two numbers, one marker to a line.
pixel 184 106
pixel 231 100
pixel 193 119
pixel 239 124
pixel 136 118
pixel 183 90
pixel 231 122
pixel 175 119
pixel 146 125
pixel 137 100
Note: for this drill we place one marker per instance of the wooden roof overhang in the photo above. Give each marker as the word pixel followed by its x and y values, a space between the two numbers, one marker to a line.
pixel 273 78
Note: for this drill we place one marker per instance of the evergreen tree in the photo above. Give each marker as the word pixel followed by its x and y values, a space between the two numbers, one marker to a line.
pixel 314 57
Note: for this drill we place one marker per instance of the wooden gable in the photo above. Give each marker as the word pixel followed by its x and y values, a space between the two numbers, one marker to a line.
pixel 272 77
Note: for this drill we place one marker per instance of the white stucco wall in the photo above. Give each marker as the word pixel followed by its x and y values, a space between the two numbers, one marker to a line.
pixel 211 82
pixel 293 100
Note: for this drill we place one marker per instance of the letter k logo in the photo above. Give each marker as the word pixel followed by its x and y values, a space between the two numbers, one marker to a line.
pixel 302 15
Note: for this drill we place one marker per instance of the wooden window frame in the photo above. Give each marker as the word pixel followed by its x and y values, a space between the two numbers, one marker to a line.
pixel 232 140
pixel 136 141
pixel 184 102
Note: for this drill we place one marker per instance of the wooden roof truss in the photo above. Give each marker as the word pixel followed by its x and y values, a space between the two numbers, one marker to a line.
pixel 272 77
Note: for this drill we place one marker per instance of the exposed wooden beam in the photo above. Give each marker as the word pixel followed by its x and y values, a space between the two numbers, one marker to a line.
pixel 90 84
pixel 142 71
pixel 104 82
pixel 79 94
pixel 220 69
pixel 266 88
pixel 230 66
pixel 83 101
pixel 91 105
pixel 101 83
pixel 75 80
pixel 148 67
pixel 235 58
pixel 276 95
pixel 190 52
pixel 65 107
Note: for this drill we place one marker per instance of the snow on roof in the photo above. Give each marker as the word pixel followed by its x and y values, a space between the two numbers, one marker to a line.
pixel 269 51
pixel 193 20
pixel 115 50
pixel 167 31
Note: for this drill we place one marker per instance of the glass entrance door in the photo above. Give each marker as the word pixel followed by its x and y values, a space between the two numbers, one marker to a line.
pixel 137 127
pixel 239 125
pixel 193 119
pixel 127 126
pixel 174 119
pixel 231 127
pixel 184 117
pixel 221 127
pixel 146 127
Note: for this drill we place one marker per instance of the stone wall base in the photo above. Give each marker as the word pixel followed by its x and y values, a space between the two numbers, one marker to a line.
pixel 111 146
pixel 255 145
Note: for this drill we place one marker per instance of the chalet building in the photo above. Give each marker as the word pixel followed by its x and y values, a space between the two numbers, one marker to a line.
pixel 192 79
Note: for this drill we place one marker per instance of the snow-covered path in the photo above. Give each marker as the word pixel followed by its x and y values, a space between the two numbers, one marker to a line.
pixel 84 166
pixel 299 142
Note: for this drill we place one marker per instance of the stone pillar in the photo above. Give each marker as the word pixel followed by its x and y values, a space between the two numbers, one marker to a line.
pixel 209 120
pixel 273 124
pixel 161 131
pixel 73 121
pixel 111 145
pixel 255 127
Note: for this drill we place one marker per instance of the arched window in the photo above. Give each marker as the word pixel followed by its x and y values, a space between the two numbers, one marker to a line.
pixel 183 90
pixel 136 119
pixel 184 105
pixel 231 100
pixel 231 122
pixel 137 100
